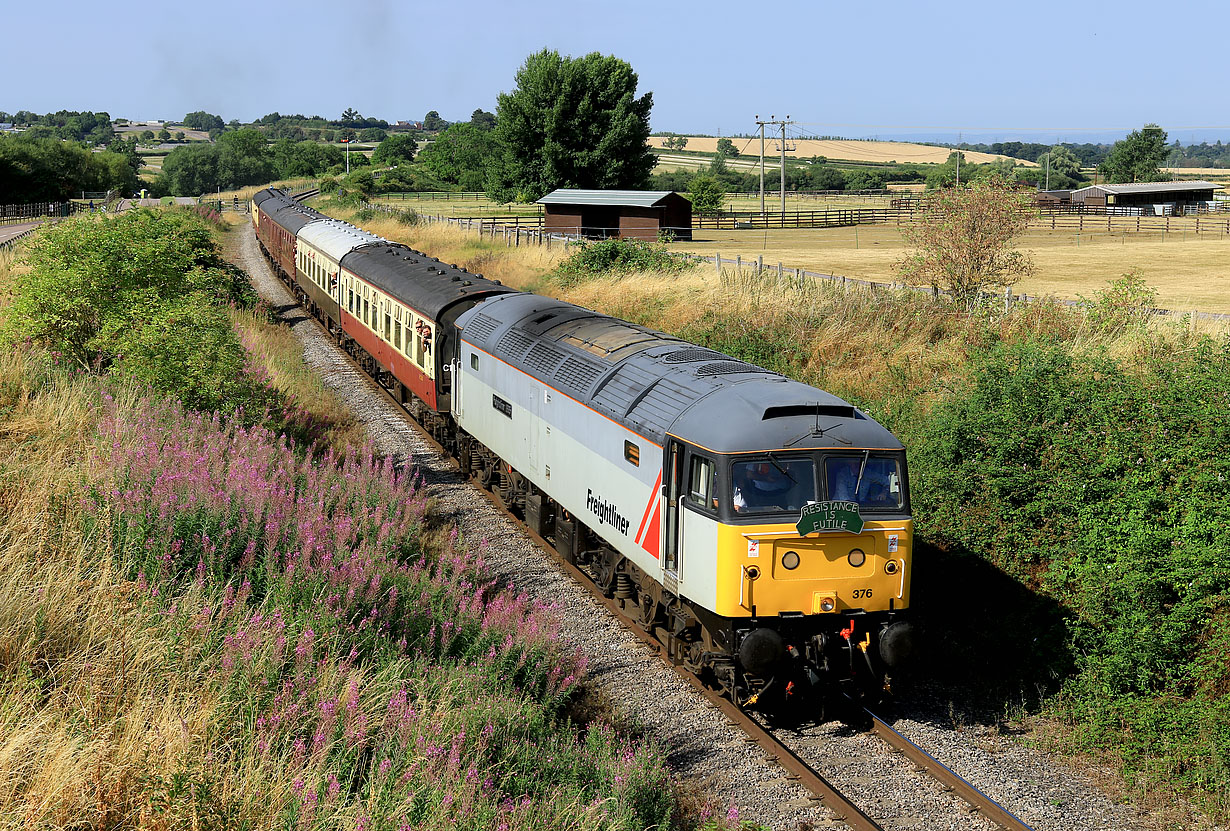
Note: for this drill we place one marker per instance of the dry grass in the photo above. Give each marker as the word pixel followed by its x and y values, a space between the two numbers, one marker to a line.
pixel 851 151
pixel 516 266
pixel 1189 272
pixel 281 354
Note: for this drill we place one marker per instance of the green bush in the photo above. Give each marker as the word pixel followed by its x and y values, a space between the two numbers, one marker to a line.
pixel 143 293
pixel 616 256
pixel 1108 492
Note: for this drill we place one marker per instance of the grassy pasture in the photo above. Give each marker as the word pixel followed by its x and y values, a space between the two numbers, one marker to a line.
pixel 1189 272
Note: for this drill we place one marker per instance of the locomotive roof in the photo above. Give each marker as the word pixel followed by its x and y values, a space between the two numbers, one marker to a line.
pixel 425 283
pixel 335 237
pixel 657 384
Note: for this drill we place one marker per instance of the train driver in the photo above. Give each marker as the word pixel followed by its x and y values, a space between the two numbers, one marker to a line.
pixel 760 485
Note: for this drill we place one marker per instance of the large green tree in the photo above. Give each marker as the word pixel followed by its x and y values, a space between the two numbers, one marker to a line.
pixel 1138 157
pixel 201 120
pixel 573 122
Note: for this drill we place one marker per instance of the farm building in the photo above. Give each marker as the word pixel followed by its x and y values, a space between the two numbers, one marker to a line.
pixel 1052 198
pixel 637 214
pixel 1148 197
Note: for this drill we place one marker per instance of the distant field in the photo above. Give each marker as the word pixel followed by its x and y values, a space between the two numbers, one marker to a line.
pixel 855 151
pixel 1189 273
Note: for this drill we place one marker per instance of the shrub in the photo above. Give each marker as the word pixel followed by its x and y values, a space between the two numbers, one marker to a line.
pixel 614 256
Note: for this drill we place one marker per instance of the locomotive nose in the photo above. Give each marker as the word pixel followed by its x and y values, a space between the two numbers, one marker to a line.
pixel 761 651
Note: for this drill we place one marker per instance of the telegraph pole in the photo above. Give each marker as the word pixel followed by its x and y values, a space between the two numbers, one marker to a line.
pixel 773 120
pixel 761 123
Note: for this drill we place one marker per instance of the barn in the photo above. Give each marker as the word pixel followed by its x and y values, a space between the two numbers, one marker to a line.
pixel 635 214
pixel 1148 197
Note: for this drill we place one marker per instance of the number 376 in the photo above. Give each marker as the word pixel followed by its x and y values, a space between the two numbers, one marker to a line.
pixel 860 593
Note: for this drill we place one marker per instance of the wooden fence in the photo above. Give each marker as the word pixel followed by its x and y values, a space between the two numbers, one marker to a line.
pixel 1213 223
pixel 803 219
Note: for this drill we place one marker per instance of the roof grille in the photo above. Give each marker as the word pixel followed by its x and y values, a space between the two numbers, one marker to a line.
pixel 514 343
pixel 681 356
pixel 725 368
pixel 544 358
pixel 481 327
pixel 577 374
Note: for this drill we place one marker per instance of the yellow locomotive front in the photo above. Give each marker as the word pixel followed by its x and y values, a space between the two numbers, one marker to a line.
pixel 813 561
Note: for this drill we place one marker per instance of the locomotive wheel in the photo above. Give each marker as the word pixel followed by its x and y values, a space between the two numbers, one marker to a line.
pixel 487 474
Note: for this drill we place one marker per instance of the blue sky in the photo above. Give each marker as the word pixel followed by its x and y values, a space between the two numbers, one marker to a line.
pixel 1054 71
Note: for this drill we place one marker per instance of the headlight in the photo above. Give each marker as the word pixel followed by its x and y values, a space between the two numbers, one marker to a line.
pixel 790 560
pixel 827 604
pixel 890 567
pixel 856 557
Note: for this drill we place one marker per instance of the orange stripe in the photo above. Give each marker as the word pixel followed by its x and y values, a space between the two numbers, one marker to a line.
pixel 648 508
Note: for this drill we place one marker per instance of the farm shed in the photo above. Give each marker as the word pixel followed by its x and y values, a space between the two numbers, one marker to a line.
pixel 1051 198
pixel 638 214
pixel 1145 195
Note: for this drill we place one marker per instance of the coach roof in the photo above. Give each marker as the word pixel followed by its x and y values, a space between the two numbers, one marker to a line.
pixel 425 283
pixel 336 238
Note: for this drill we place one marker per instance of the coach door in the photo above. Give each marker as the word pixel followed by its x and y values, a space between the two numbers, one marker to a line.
pixel 673 543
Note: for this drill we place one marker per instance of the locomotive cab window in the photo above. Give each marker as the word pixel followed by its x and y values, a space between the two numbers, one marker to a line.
pixel 873 481
pixel 766 484
pixel 702 483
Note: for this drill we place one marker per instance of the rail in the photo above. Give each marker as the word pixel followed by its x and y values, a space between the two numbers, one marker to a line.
pixel 945 775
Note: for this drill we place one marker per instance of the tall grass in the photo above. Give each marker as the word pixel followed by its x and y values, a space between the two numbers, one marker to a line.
pixel 203 626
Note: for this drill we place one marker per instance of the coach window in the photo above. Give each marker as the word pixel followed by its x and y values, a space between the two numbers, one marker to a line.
pixel 388 324
pixel 702 484
pixel 350 296
pixel 365 306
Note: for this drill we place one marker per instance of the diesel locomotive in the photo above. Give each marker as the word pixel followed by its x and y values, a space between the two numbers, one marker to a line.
pixel 758 526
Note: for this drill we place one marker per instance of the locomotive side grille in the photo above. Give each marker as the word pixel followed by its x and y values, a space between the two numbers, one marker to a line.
pixel 514 344
pixel 691 354
pixel 481 327
pixel 544 358
pixel 577 374
pixel 725 368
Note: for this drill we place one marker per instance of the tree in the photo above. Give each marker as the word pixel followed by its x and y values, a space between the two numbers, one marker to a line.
pixel 574 122
pixel 675 142
pixel 433 122
pixel 962 236
pixel 397 148
pixel 179 136
pixel 164 134
pixel 372 134
pixel 201 120
pixel 864 180
pixel 1058 169
pixel 707 195
pixel 350 116
pixel 461 156
pixel 1138 157
pixel 483 120
pixel 726 147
